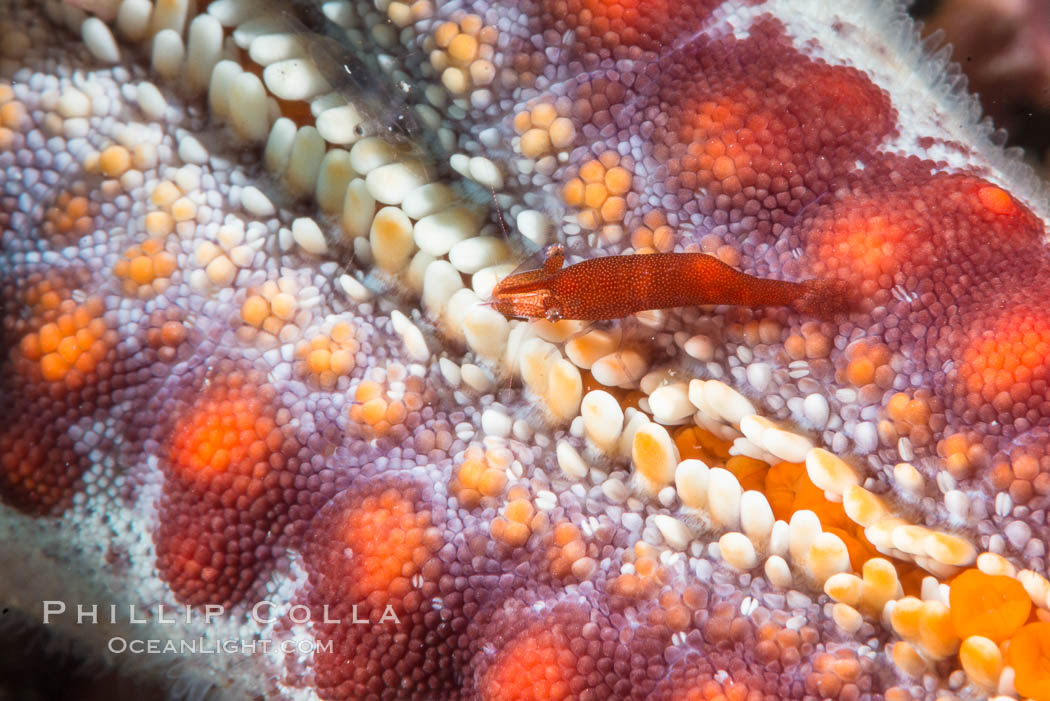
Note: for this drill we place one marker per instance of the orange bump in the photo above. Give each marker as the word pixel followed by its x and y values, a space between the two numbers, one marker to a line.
pixel 1029 655
pixel 71 215
pixel 520 510
pixel 573 192
pixel 159 223
pixel 391 542
pixel 463 48
pixel 996 200
pixel 860 371
pixel 536 666
pixel 54 367
pixel 145 268
pixel 522 122
pixel 115 161
pixel 165 193
pixel 13 115
pixel 255 310
pixel 701 444
pixel 592 172
pixel 936 632
pixel 543 115
pixel 999 364
pixel 618 180
pixel 71 345
pixel 750 472
pixel 225 429
pixel 992 606
pixel 870 247
pixel 789 489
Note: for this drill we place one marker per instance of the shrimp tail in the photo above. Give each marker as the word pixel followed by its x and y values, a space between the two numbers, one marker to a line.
pixel 825 297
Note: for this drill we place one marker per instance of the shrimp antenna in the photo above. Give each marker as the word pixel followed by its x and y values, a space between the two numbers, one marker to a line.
pixel 499 212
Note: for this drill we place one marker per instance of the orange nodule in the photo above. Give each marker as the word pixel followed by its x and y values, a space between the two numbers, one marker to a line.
pixel 699 443
pixel 992 606
pixel 222 431
pixel 391 542
pixel 997 200
pixel 1029 655
pixel 789 489
pixel 536 667
pixel 750 472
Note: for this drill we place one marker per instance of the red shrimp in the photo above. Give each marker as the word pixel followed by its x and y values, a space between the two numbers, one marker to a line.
pixel 612 287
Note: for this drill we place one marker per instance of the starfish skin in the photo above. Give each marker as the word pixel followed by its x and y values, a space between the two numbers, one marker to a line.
pixel 264 433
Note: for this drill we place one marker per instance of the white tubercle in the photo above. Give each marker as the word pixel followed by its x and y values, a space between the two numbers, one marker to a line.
pixel 804 529
pixel 827 556
pixel 486 331
pixel 246 32
pixel 99 40
pixel 304 161
pixel 830 473
pixel 777 572
pixel 168 53
pixel 620 369
pixel 738 551
pixel 333 179
pixel 359 208
pixel 203 50
pixel 570 461
pixel 670 403
pixel 438 233
pixel 391 239
pixel 471 255
pixel 340 125
pixel 564 390
pixel 534 225
pixel 485 172
pixel 844 587
pixel 248 107
pixel 654 458
pixel 636 420
pixel 220 86
pixel 723 498
pixel 309 236
pixel 991 563
pixel 586 349
pixel 151 100
pixel 780 539
pixel 675 533
pixel 271 48
pixel 787 446
pixel 691 480
pixel 456 312
pixel 731 406
pixel 294 79
pixel 415 344
pixel 909 479
pixel 169 15
pixel 428 199
pixel 535 360
pixel 371 153
pixel 391 183
pixel 133 19
pixel 232 13
pixel 816 409
pixel 756 517
pixel 279 145
pixel 440 282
